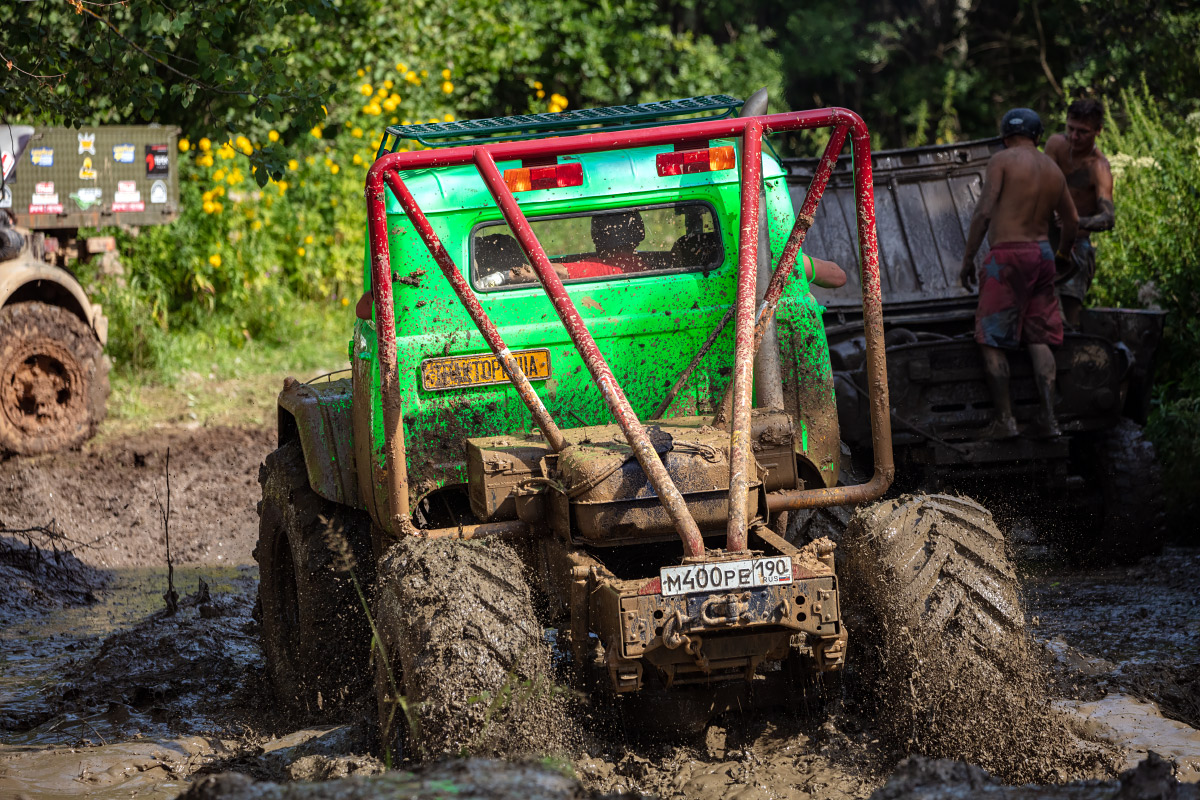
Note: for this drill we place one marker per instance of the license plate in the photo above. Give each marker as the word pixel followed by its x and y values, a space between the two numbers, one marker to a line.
pixel 439 374
pixel 745 574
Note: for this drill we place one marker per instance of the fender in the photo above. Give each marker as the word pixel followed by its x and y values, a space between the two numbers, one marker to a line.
pixel 26 278
pixel 319 417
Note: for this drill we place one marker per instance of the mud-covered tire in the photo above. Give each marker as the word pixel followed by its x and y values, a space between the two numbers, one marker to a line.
pixel 315 635
pixel 464 646
pixel 1124 476
pixel 53 379
pixel 941 623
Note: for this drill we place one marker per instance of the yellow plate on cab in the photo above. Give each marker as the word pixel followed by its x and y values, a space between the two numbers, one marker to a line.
pixel 483 369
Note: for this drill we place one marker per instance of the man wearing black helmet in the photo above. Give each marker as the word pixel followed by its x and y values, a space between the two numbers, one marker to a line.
pixel 1022 190
pixel 1090 181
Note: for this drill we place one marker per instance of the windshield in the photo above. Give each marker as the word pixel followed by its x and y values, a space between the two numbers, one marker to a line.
pixel 610 244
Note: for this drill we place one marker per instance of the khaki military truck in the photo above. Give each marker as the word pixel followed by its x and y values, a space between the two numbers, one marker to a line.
pixel 53 371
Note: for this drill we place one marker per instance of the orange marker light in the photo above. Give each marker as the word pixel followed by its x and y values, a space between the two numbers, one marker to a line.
pixel 524 179
pixel 685 162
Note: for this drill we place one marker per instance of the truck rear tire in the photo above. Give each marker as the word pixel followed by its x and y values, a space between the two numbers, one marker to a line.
pixel 953 675
pixel 1127 500
pixel 315 634
pixel 463 644
pixel 53 379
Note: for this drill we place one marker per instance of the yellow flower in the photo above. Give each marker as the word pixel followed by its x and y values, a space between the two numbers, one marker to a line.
pixel 273 136
pixel 215 259
pixel 373 109
pixel 357 158
pixel 207 196
pixel 357 133
pixel 345 302
pixel 218 207
pixel 293 164
pixel 219 191
pixel 316 131
pixel 226 152
pixel 335 169
pixel 388 84
pixel 242 142
pixel 448 118
pixel 447 87
pixel 219 175
pixel 537 84
pixel 184 145
pixel 540 94
pixel 424 73
pixel 446 74
pixel 366 90
pixel 209 206
pixel 256 225
pixel 389 105
pixel 283 186
pixel 411 77
pixel 300 251
pixel 308 239
pixel 333 201
pixel 205 160
pixel 558 100
pixel 360 72
pixel 394 120
pixel 235 177
pixel 205 144
pixel 400 67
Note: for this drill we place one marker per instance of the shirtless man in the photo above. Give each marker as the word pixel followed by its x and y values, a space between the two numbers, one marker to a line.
pixel 1023 189
pixel 1090 181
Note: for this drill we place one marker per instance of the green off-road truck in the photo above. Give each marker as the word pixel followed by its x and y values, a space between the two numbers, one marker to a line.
pixel 555 435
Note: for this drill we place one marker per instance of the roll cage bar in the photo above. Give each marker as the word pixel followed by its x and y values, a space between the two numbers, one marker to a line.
pixel 749 324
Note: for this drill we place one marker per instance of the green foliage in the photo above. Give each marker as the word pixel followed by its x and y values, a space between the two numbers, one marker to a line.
pixel 1152 257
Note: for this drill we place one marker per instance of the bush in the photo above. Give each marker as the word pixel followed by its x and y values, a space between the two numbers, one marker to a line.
pixel 1152 258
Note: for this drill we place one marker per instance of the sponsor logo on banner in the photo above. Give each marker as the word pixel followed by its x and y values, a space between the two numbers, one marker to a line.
pixel 127 197
pixel 7 162
pixel 158 159
pixel 86 198
pixel 45 199
pixel 42 156
pixel 87 143
pixel 158 193
pixel 123 153
pixel 6 197
pixel 86 172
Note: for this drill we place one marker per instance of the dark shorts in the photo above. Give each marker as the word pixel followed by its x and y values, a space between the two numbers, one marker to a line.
pixel 1084 256
pixel 1017 304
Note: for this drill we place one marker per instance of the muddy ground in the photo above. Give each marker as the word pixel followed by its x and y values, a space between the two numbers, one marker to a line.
pixel 104 695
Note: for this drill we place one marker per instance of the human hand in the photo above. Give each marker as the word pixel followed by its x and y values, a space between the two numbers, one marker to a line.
pixel 966 275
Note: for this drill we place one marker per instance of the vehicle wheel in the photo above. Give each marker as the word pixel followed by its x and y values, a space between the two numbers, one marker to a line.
pixel 457 625
pixel 1128 504
pixel 51 375
pixel 950 666
pixel 315 634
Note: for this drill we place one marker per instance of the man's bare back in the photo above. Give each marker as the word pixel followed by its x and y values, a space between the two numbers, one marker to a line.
pixel 1022 189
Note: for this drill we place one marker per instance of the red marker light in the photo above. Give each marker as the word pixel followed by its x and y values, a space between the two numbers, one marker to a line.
pixel 524 179
pixel 685 162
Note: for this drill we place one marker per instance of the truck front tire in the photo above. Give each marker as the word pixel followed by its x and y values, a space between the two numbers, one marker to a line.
pixel 53 379
pixel 315 634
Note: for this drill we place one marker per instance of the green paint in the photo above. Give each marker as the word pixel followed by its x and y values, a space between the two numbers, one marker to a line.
pixel 648 326
pixel 804 435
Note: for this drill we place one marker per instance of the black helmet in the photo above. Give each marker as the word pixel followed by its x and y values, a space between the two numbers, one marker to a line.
pixel 1021 122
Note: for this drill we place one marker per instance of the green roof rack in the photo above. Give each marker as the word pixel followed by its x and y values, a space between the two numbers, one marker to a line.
pixel 562 123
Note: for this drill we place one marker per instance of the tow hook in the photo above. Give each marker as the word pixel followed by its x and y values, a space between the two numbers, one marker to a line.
pixel 726 609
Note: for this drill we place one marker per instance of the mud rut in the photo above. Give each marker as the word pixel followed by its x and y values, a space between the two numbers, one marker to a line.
pixel 173 700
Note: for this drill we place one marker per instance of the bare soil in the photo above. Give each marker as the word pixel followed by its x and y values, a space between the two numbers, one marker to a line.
pixel 163 702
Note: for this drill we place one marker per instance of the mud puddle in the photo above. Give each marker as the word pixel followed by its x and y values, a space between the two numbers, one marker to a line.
pixel 116 698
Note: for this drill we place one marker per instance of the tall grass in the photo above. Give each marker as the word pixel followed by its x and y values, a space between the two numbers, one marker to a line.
pixel 1152 259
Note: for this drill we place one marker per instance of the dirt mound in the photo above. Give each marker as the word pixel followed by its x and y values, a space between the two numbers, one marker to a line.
pixel 920 778
pixel 107 495
pixel 458 623
pixel 39 571
pixel 469 779
pixel 946 661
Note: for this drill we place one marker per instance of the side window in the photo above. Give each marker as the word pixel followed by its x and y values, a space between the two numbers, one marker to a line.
pixel 620 243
